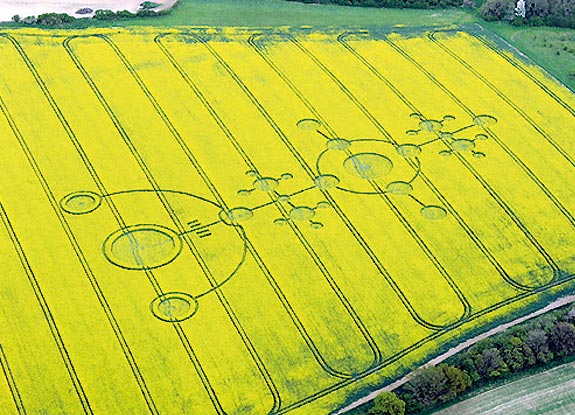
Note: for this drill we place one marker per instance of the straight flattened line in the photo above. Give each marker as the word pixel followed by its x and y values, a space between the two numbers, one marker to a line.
pixel 394 358
pixel 359 238
pixel 107 310
pixel 496 197
pixel 248 344
pixel 187 346
pixel 351 311
pixel 403 298
pixel 301 237
pixel 525 72
pixel 267 274
pixel 31 277
pixel 347 382
pixel 564 211
pixel 419 240
pixel 79 149
pixel 462 223
pixel 10 378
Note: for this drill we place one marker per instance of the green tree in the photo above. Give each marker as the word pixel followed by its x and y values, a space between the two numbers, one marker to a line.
pixel 515 353
pixel 562 339
pixel 457 379
pixel 387 403
pixel 498 10
pixel 538 342
pixel 490 364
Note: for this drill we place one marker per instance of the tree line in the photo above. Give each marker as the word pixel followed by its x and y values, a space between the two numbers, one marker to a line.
pixel 64 19
pixel 545 340
pixel 559 13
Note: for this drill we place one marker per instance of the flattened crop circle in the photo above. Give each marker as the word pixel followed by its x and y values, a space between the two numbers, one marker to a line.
pixel 174 307
pixel 433 212
pixel 309 124
pixel 143 246
pixel 80 203
pixel 368 166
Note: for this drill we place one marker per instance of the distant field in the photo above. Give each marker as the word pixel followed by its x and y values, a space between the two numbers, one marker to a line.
pixel 229 221
pixel 548 393
pixel 551 47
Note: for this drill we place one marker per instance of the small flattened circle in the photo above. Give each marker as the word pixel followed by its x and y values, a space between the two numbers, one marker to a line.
pixel 308 124
pixel 484 120
pixel 399 188
pixel 462 144
pixel 316 225
pixel 144 246
pixel 80 203
pixel 174 307
pixel 368 166
pixel 239 214
pixel 266 184
pixel 326 181
pixel 433 212
pixel 430 125
pixel 481 137
pixel 408 150
pixel 280 221
pixel 301 213
pixel 446 135
pixel 338 144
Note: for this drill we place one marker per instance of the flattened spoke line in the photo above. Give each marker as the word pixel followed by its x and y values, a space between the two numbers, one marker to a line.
pixel 307 245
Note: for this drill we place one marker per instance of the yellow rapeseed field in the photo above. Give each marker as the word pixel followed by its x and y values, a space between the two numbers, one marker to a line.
pixel 229 221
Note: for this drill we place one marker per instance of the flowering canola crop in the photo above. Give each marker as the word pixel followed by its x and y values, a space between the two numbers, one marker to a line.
pixel 266 222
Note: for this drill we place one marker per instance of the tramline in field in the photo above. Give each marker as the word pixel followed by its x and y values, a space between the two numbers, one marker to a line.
pixel 267 222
